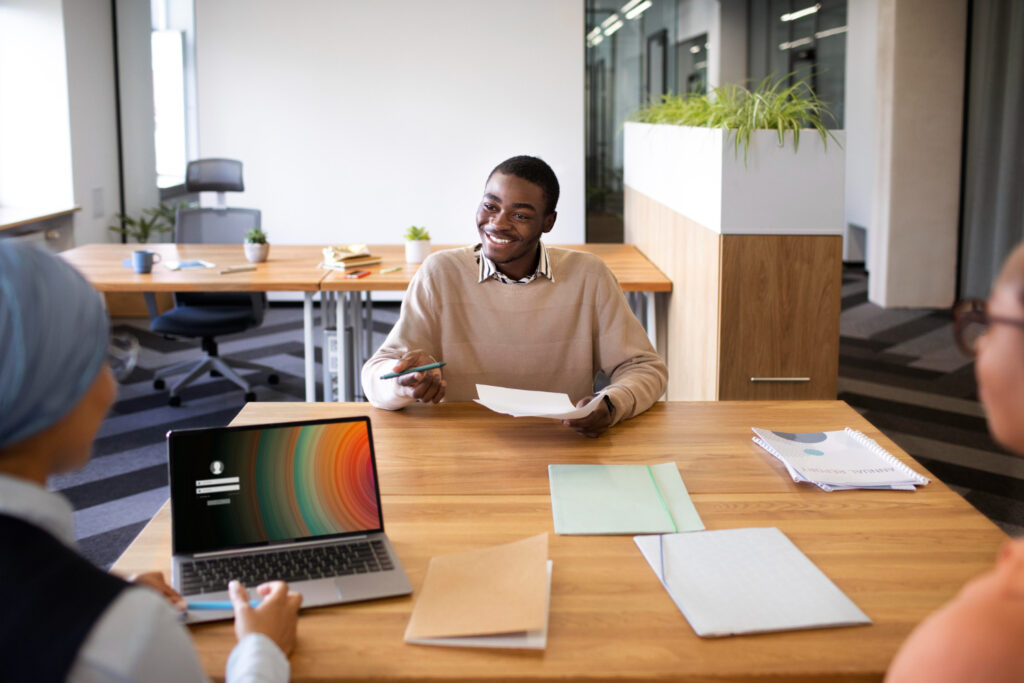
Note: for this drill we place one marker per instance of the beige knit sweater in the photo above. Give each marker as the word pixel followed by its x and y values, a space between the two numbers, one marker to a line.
pixel 546 335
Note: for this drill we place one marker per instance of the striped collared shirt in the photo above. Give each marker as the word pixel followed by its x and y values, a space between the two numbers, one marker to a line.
pixel 489 270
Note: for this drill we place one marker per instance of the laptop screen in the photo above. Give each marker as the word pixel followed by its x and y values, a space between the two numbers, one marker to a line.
pixel 235 487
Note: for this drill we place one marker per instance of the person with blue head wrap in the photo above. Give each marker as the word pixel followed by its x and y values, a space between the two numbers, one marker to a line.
pixel 64 619
pixel 53 340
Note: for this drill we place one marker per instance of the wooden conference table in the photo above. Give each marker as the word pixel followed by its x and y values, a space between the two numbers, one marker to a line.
pixel 295 268
pixel 456 477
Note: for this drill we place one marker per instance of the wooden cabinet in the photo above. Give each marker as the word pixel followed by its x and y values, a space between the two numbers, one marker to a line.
pixel 750 317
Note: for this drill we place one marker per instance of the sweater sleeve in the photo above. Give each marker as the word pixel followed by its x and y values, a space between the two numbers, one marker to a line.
pixel 638 374
pixel 417 328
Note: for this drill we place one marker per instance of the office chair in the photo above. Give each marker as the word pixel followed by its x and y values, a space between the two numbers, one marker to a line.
pixel 207 315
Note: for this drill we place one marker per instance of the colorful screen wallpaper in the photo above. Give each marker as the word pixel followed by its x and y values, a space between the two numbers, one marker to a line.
pixel 243 487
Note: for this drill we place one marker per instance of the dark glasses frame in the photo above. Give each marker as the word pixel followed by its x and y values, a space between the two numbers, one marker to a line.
pixel 975 311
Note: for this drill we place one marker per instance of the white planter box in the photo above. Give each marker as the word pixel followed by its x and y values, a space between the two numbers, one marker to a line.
pixel 698 173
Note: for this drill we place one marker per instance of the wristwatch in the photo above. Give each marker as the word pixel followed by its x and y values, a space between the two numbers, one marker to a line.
pixel 609 404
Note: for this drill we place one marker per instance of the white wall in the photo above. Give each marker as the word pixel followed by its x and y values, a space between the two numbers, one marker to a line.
pixel 357 119
pixel 93 117
pixel 912 247
pixel 134 26
pixel 861 125
pixel 35 141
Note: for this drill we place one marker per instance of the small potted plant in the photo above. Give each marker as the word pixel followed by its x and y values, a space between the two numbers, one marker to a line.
pixel 417 244
pixel 256 247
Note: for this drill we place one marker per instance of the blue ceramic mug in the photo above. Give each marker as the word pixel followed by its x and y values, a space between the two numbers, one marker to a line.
pixel 143 260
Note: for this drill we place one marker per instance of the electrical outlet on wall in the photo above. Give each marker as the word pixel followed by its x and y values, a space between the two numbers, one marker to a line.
pixel 97 203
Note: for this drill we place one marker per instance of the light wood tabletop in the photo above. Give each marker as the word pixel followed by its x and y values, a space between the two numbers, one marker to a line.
pixel 633 270
pixel 457 477
pixel 289 268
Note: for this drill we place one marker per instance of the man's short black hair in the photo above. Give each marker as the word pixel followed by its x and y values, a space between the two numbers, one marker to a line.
pixel 536 171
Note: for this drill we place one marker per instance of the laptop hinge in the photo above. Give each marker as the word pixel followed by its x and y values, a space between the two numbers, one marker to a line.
pixel 278 546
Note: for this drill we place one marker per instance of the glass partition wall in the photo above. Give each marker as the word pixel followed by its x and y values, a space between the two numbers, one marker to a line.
pixel 639 50
pixel 630 59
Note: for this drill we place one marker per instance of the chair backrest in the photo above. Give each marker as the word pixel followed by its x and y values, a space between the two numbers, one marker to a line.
pixel 214 226
pixel 214 175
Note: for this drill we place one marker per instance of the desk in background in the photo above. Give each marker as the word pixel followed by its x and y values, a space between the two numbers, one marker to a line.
pixel 349 309
pixel 289 269
pixel 347 313
pixel 456 477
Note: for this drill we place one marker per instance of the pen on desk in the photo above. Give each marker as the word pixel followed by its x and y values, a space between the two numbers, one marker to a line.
pixel 391 270
pixel 422 368
pixel 236 269
pixel 216 604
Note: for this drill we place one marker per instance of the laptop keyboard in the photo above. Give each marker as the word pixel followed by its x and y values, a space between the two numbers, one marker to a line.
pixel 299 564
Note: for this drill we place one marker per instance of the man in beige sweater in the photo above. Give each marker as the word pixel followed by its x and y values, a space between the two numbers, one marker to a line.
pixel 513 312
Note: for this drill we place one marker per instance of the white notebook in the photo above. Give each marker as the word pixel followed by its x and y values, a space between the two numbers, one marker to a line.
pixel 737 581
pixel 842 459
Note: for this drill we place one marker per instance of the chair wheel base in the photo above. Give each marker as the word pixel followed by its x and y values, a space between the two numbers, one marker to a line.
pixel 158 384
pixel 273 379
pixel 174 401
pixel 250 396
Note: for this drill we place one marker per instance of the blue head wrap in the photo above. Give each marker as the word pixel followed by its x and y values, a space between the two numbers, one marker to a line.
pixel 54 335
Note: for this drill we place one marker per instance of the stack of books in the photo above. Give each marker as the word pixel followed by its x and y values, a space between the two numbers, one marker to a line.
pixel 348 257
pixel 833 461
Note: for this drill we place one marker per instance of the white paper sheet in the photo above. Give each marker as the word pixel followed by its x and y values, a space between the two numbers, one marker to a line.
pixel 188 264
pixel 526 640
pixel 736 581
pixel 524 403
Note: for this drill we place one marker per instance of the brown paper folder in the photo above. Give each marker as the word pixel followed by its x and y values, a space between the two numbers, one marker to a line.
pixel 497 590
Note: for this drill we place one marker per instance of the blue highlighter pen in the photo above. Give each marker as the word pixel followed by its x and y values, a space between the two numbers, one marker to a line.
pixel 422 368
pixel 216 604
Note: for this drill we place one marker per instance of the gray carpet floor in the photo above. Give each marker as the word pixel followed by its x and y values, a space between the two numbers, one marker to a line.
pixel 900 369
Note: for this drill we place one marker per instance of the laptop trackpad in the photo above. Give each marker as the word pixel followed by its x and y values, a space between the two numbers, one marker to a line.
pixel 321 592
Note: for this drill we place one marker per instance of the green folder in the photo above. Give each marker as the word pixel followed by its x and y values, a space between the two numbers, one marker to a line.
pixel 621 499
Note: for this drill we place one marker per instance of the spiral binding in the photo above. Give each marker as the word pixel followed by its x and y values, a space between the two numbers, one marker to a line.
pixel 877 449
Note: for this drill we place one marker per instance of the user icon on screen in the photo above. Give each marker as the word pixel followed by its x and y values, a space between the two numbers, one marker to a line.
pixel 216 467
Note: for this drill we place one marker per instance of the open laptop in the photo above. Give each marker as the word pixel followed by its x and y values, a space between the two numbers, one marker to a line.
pixel 297 502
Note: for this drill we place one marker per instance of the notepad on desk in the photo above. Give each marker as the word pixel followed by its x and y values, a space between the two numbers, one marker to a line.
pixel 620 499
pixel 838 460
pixel 492 597
pixel 348 257
pixel 738 581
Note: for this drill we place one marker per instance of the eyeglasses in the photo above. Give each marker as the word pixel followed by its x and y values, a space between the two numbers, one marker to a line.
pixel 122 355
pixel 971 321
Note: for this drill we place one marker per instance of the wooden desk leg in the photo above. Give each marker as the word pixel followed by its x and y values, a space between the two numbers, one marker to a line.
pixel 307 341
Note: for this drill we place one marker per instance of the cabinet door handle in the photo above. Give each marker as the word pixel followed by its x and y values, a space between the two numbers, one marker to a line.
pixel 780 379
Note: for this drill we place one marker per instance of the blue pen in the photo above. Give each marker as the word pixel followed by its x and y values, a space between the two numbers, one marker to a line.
pixel 216 604
pixel 422 368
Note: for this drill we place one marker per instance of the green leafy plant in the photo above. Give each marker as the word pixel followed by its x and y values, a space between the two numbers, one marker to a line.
pixel 414 234
pixel 256 236
pixel 155 221
pixel 771 105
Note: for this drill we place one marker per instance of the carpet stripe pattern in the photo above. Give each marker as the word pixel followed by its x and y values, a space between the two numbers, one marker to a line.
pixel 898 368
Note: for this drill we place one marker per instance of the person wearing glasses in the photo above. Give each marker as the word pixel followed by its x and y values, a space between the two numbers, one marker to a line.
pixel 979 635
pixel 62 618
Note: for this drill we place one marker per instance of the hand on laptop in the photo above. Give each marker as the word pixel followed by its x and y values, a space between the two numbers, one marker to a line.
pixel 592 425
pixel 277 616
pixel 425 387
pixel 155 581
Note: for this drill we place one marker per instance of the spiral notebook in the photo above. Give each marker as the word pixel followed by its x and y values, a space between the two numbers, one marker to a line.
pixel 843 459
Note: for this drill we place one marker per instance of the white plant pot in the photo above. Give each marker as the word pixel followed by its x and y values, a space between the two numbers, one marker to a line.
pixel 256 253
pixel 416 251
pixel 699 173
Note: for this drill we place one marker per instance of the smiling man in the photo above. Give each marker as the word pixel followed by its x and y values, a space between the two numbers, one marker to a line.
pixel 513 312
